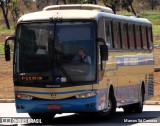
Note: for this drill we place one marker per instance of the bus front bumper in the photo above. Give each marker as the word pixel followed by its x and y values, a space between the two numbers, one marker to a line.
pixel 57 106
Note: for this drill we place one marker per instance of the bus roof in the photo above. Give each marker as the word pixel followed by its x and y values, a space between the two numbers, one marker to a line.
pixel 86 11
pixel 79 7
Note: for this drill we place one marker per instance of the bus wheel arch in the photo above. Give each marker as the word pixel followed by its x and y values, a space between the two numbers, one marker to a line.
pixel 143 87
pixel 111 104
pixel 138 107
pixel 111 90
pixel 111 96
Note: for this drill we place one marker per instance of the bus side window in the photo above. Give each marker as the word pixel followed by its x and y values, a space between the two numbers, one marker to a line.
pixel 116 34
pixel 150 41
pixel 108 33
pixel 101 29
pixel 131 36
pixel 138 37
pixel 144 37
pixel 124 35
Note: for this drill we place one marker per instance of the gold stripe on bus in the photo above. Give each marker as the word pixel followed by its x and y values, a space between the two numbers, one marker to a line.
pixel 48 96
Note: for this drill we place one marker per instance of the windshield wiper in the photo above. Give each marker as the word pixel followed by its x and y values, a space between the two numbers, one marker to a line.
pixel 63 70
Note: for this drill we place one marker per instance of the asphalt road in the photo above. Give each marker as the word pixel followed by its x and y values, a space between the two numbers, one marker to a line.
pixel 150 116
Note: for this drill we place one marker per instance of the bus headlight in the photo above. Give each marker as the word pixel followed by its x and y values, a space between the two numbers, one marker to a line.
pixel 24 96
pixel 86 95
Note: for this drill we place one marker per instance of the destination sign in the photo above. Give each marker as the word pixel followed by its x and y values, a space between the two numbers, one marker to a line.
pixel 33 78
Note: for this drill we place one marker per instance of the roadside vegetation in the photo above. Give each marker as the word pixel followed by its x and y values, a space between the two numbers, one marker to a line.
pixel 153 16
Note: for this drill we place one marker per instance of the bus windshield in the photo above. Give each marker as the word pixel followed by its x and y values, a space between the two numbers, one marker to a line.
pixel 61 52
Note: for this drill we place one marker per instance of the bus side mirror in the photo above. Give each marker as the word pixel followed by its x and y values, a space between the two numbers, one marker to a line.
pixel 7 48
pixel 104 52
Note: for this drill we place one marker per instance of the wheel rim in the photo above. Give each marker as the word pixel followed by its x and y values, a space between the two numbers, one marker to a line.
pixel 109 106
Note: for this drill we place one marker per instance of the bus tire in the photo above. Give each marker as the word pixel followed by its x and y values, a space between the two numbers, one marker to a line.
pixel 45 117
pixel 112 106
pixel 138 107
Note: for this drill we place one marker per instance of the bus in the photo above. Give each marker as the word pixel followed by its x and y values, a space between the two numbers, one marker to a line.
pixel 115 69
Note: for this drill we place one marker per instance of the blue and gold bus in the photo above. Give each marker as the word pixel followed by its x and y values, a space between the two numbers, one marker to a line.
pixel 81 59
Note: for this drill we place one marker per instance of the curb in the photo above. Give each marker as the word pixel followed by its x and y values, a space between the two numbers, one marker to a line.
pixel 7 101
pixel 152 102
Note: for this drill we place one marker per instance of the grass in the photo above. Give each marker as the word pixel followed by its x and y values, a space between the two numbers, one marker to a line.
pixel 1 48
pixel 156 29
pixel 156 34
pixel 123 12
pixel 153 16
pixel 4 32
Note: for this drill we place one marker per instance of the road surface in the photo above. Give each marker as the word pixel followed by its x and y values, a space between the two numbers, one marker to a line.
pixel 150 116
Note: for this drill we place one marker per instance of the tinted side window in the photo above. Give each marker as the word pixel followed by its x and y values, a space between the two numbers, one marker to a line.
pixel 138 37
pixel 150 41
pixel 144 37
pixel 131 36
pixel 116 34
pixel 124 35
pixel 108 33
pixel 101 29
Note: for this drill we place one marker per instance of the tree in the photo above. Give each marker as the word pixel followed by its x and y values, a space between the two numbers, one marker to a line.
pixel 43 3
pixel 128 5
pixel 77 1
pixel 13 6
pixel 153 3
pixel 89 1
pixel 72 1
pixel 27 3
pixel 4 7
pixel 113 4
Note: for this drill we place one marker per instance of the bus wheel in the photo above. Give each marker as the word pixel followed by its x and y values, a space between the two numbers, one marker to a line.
pixel 111 106
pixel 139 106
pixel 45 117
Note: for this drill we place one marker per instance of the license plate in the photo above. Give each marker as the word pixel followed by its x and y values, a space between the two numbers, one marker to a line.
pixel 54 107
